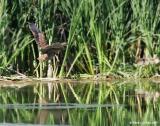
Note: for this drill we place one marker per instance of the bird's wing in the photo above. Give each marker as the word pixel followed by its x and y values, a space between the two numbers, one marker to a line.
pixel 58 45
pixel 55 47
pixel 38 35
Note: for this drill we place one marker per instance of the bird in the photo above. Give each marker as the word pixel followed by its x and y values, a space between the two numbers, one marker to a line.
pixel 148 60
pixel 47 51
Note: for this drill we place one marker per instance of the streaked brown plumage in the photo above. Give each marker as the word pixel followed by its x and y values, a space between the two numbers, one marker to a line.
pixel 48 51
pixel 148 60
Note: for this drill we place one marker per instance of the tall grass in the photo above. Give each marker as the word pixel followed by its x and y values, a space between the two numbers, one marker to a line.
pixel 101 35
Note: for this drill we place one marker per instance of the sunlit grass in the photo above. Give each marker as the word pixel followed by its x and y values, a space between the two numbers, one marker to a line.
pixel 101 35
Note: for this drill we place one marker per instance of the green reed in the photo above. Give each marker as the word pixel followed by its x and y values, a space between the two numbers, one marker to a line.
pixel 101 35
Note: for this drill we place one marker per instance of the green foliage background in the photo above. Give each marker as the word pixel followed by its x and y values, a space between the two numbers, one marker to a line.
pixel 101 34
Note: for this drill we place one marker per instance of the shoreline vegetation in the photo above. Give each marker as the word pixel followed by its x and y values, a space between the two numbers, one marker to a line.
pixel 82 79
pixel 105 38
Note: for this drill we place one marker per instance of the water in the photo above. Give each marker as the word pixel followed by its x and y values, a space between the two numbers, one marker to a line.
pixel 85 102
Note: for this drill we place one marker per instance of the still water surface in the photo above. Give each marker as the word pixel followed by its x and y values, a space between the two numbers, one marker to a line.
pixel 78 103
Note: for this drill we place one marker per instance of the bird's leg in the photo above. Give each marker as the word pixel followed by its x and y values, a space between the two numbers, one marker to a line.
pixel 57 58
pixel 50 70
pixel 41 64
pixel 55 69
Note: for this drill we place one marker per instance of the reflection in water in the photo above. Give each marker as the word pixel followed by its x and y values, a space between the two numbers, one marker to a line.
pixel 148 95
pixel 42 116
pixel 59 116
pixel 80 103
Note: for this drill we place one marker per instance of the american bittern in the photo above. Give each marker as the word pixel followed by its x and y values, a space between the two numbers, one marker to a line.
pixel 48 51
